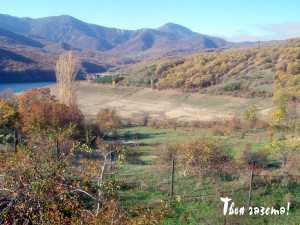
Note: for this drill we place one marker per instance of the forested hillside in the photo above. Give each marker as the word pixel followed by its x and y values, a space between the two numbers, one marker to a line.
pixel 243 71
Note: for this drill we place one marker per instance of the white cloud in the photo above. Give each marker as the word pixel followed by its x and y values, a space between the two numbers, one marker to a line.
pixel 283 30
pixel 268 32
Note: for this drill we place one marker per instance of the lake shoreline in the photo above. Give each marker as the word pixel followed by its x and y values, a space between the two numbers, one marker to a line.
pixel 21 87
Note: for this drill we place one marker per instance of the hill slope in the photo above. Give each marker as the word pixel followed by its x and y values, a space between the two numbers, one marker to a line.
pixel 66 29
pixel 7 37
pixel 23 59
pixel 40 41
pixel 241 71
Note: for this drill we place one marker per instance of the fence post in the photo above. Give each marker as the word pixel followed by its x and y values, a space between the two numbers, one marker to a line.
pixel 110 158
pixel 172 178
pixel 57 149
pixel 250 184
pixel 152 82
pixel 225 220
pixel 87 135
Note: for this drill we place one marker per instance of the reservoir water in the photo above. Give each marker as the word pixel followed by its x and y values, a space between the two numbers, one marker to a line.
pixel 19 87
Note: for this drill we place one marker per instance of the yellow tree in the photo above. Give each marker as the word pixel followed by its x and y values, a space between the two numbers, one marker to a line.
pixel 8 120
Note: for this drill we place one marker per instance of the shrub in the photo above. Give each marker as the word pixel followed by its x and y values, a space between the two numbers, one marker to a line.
pixel 108 121
pixel 41 113
pixel 200 156
pixel 219 129
pixel 41 190
pixel 293 68
pixel 45 123
pixel 234 124
pixel 233 86
pixel 251 114
pixel 291 168
pixel 8 121
pixel 247 157
pixel 8 114
pixel 91 133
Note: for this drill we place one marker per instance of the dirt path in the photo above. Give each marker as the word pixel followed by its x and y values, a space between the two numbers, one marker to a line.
pixel 137 102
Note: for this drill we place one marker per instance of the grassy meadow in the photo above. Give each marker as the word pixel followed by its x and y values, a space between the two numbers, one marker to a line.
pixel 145 179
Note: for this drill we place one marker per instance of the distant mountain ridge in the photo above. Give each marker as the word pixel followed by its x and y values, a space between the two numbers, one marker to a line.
pixel 67 29
pixel 29 47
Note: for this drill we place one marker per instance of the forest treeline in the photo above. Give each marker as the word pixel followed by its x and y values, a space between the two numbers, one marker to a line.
pixel 245 71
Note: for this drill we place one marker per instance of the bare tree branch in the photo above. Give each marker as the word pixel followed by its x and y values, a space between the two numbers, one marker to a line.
pixel 101 178
pixel 6 190
pixel 84 192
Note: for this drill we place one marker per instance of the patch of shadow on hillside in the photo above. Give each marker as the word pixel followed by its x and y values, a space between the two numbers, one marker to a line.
pixel 8 55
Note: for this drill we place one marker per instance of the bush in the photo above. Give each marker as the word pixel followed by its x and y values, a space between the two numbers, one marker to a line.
pixel 201 156
pixel 8 118
pixel 234 124
pixel 47 124
pixel 40 112
pixel 233 86
pixel 247 157
pixel 108 121
pixel 219 129
pixel 8 114
pixel 293 68
pixel 251 113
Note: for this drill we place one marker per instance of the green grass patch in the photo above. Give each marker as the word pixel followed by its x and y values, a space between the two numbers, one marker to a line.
pixel 197 200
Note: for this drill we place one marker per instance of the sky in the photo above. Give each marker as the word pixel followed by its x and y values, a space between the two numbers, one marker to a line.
pixel 234 20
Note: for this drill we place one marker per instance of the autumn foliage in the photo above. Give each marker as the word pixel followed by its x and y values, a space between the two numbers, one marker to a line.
pixel 8 113
pixel 199 157
pixel 243 72
pixel 108 120
pixel 39 111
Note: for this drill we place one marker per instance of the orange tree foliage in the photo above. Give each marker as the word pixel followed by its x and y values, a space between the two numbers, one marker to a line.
pixel 40 112
pixel 47 124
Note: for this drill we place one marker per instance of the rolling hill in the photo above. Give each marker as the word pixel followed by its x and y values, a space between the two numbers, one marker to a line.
pixel 247 72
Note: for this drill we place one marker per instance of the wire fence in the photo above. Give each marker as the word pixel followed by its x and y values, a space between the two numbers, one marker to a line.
pixel 169 182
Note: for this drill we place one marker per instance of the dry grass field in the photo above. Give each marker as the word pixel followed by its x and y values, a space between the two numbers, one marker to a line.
pixel 134 103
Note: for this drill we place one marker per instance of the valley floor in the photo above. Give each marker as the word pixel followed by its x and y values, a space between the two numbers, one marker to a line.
pixel 134 103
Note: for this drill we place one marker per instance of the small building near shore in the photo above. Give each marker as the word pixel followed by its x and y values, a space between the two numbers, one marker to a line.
pixel 105 78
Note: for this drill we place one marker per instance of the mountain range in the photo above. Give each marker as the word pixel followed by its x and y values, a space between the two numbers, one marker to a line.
pixel 41 40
